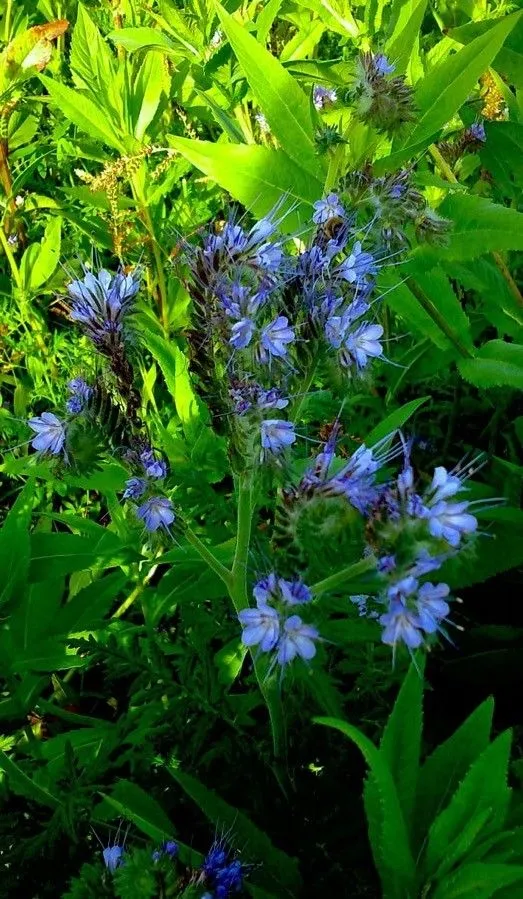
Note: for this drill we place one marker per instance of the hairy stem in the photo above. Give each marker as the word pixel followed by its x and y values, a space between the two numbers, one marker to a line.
pixel 209 558
pixel 346 574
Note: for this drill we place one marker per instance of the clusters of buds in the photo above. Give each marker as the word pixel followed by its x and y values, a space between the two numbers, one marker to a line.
pixel 381 99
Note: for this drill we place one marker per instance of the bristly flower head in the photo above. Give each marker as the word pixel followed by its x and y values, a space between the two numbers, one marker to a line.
pixel 101 304
pixel 221 872
pixel 381 101
pixel 50 433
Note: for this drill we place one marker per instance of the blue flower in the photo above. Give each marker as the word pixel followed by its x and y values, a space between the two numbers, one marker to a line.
pixel 382 66
pixel 276 435
pixel 327 209
pixel 154 467
pixel 450 521
pixel 294 593
pixel 357 265
pixel 156 512
pixel 401 625
pixel 386 564
pixel 224 875
pixel 169 848
pixel 271 399
pixel 80 394
pixel 275 338
pixel 425 563
pixel 102 302
pixel 297 640
pixel 431 605
pixel 50 433
pixel 261 627
pixel 266 589
pixel 241 333
pixel 323 96
pixel 477 131
pixel 135 488
pixel 113 857
pixel 363 344
pixel 444 484
pixel 269 256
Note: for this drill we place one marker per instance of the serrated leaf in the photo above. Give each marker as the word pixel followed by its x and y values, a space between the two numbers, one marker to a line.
pixel 479 226
pixel 23 785
pixel 448 765
pixel 387 829
pixel 83 113
pixel 277 870
pixel 282 101
pixel 497 364
pixel 401 741
pixel 484 786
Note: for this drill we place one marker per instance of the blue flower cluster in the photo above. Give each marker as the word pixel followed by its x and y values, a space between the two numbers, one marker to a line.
pixel 270 626
pixel 223 874
pixel 101 305
pixel 155 511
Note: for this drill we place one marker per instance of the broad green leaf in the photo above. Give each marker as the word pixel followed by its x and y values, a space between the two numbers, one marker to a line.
pixel 502 550
pixel 87 743
pixel 479 880
pixel 484 786
pixel 497 364
pixel 229 661
pixel 15 544
pixel 436 287
pixel 23 785
pixel 143 38
pixel 281 99
pixel 395 420
pixel 447 766
pixel 130 801
pixel 47 655
pixel 83 113
pixel 256 176
pixel 401 741
pixel 266 18
pixel 40 260
pixel 149 85
pixel 468 836
pixel 87 609
pixel 478 227
pixel 400 44
pixel 175 369
pixel 277 870
pixel 92 64
pixel 387 829
pixel 72 552
pixel 509 60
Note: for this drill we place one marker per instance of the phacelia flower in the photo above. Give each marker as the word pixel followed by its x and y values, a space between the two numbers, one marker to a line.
pixel 294 593
pixel 154 467
pixel 169 848
pixel 327 209
pixel 50 433
pixel 432 607
pixel 135 488
pixel 297 639
pixel 156 512
pixel 101 303
pixel 275 338
pixel 382 66
pixel 261 627
pixel 241 333
pixel 357 266
pixel 450 521
pixel 80 394
pixel 276 435
pixel 401 625
pixel 113 857
pixel 363 344
pixel 477 132
pixel 323 96
pixel 222 873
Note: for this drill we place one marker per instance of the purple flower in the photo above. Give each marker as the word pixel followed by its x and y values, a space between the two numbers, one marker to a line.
pixel 274 339
pixel 477 132
pixel 154 467
pixel 135 488
pixel 271 399
pixel 431 605
pixel 50 433
pixel 386 564
pixel 425 563
pixel 113 857
pixel 266 589
pixel 269 256
pixel 402 589
pixel 276 435
pixel 241 333
pixel 363 344
pixel 101 303
pixel 297 639
pixel 444 484
pixel 323 96
pixel 450 521
pixel 382 66
pixel 156 512
pixel 80 394
pixel 401 625
pixel 261 627
pixel 294 593
pixel 357 265
pixel 327 209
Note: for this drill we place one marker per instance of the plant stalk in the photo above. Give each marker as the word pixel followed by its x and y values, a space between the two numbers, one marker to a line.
pixel 346 574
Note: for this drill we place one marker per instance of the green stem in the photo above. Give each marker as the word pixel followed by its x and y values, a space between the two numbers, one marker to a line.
pixel 438 318
pixel 135 594
pixel 303 390
pixel 209 558
pixel 11 259
pixel 157 259
pixel 346 574
pixel 7 20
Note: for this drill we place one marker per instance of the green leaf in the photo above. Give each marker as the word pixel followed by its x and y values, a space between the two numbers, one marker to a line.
pixel 401 42
pixel 229 661
pixel 277 870
pixel 15 544
pixel 497 364
pixel 129 800
pixel 87 609
pixel 479 881
pixel 175 369
pixel 256 176
pixel 281 99
pixel 502 550
pixel 87 743
pixel 447 766
pixel 509 60
pixel 387 829
pixel 478 227
pixel 395 420
pixel 148 88
pixel 64 553
pixel 92 64
pixel 401 741
pixel 143 38
pixel 484 786
pixel 266 18
pixel 40 260
pixel 447 86
pixel 83 113
pixel 23 785
pixel 436 286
